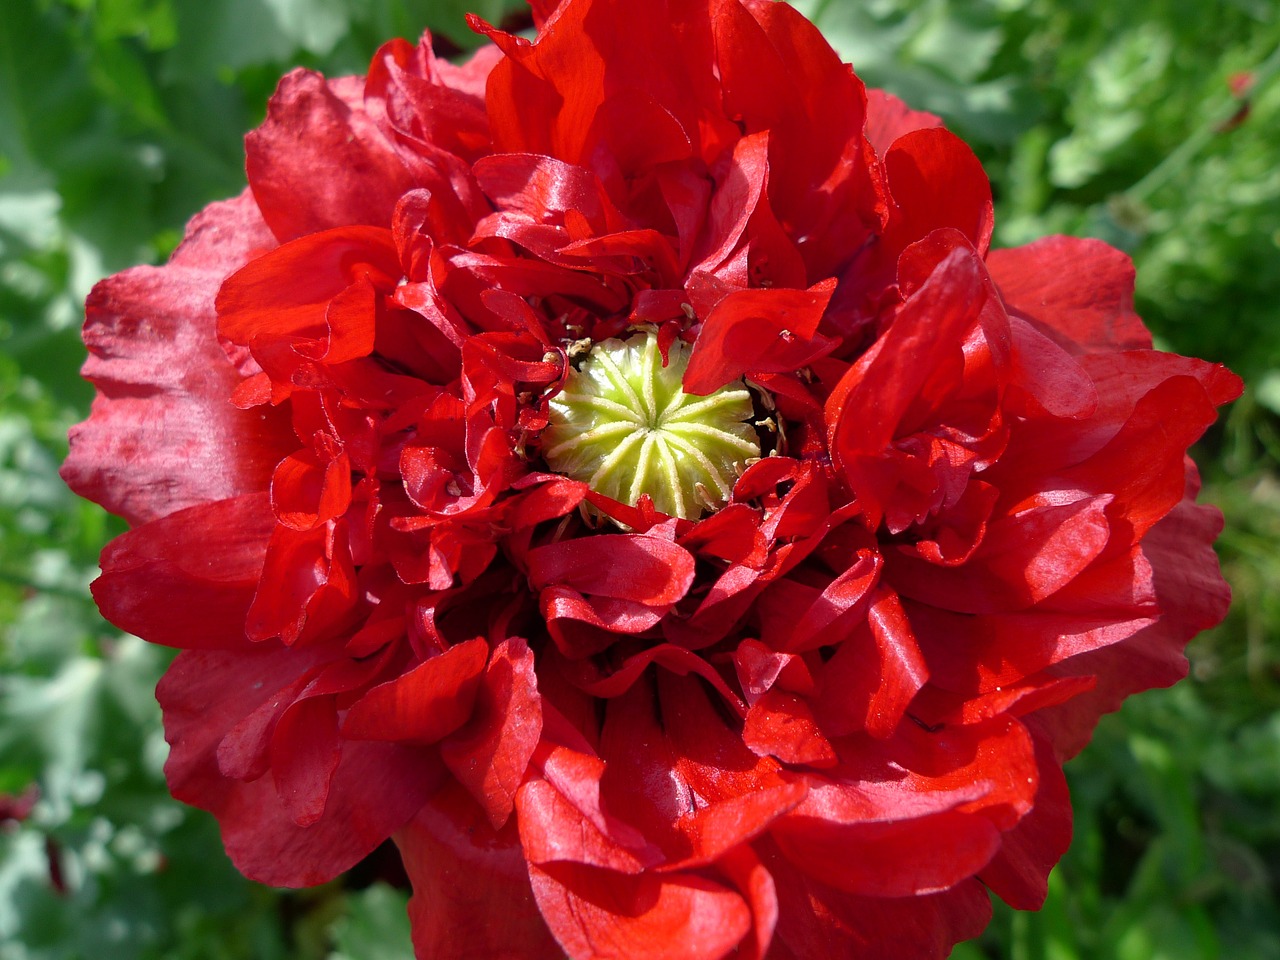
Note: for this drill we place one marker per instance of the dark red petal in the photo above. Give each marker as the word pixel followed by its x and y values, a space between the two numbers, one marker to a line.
pixel 307 585
pixel 490 753
pixel 815 920
pixel 871 827
pixel 471 894
pixel 427 703
pixel 187 580
pixel 162 435
pixel 305 753
pixel 659 778
pixel 204 694
pixel 598 914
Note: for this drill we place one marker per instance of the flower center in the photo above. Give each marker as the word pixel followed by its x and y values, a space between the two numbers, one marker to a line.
pixel 624 426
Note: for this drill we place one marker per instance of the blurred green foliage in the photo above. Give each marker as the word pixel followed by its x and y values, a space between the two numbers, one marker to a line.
pixel 1154 124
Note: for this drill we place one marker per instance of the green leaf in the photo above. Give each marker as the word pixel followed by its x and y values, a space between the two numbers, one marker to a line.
pixel 374 927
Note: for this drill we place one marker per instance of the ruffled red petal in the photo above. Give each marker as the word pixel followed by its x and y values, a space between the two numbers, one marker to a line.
pixel 596 913
pixel 161 433
pixel 204 695
pixel 471 891
pixel 205 561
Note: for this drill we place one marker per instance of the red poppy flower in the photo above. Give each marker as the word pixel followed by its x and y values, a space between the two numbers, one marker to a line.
pixel 617 470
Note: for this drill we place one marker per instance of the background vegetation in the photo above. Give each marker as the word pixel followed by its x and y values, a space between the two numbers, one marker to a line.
pixel 1154 124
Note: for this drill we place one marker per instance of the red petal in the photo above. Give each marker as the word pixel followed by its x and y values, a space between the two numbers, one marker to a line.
pixel 874 673
pixel 1191 597
pixel 759 667
pixel 427 703
pixel 1024 558
pixel 583 627
pixel 665 781
pixel 1143 464
pixel 739 192
pixel 888 118
pixel 589 677
pixel 767 331
pixel 471 895
pixel 872 828
pixel 796 618
pixel 489 755
pixel 187 580
pixel 162 430
pixel 306 491
pixel 1122 380
pixel 545 98
pixel 313 295
pixel 866 408
pixel 936 182
pixel 815 920
pixel 597 914
pixel 307 586
pixel 1077 290
pixel 942 849
pixel 319 161
pixel 1019 873
pixel 779 74
pixel 755 883
pixel 374 791
pixel 562 819
pixel 782 725
pixel 1047 372
pixel 644 569
pixel 543 190
pixel 305 753
pixel 422 99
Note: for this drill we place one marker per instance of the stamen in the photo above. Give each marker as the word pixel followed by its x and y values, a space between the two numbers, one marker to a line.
pixel 624 426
